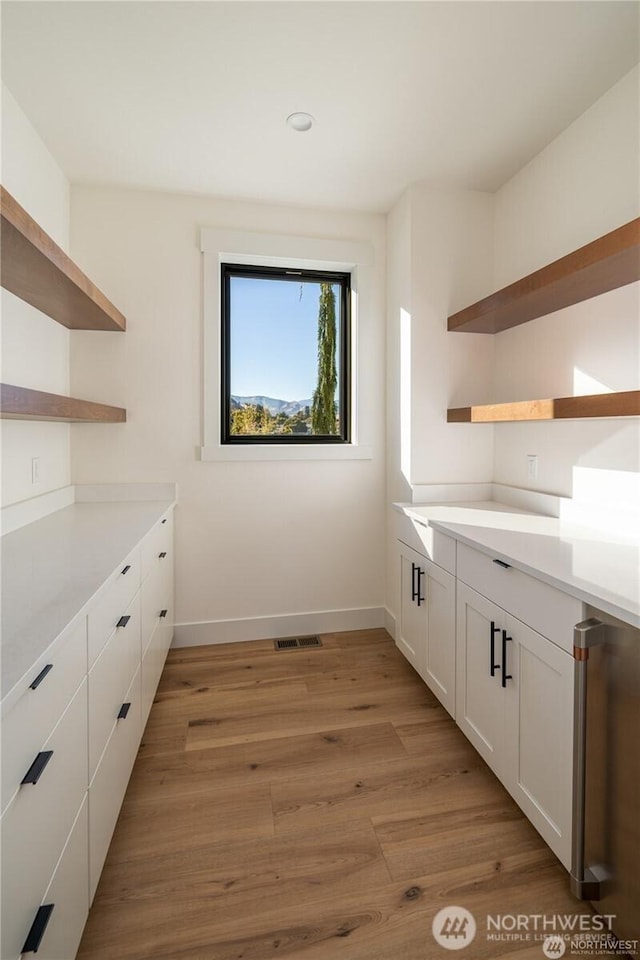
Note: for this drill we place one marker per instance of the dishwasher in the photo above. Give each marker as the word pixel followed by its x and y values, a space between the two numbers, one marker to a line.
pixel 606 782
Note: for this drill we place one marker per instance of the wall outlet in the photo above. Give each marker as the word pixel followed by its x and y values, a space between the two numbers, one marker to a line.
pixel 35 470
pixel 532 466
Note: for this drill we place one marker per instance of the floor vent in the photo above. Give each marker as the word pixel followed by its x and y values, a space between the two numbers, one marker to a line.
pixel 297 643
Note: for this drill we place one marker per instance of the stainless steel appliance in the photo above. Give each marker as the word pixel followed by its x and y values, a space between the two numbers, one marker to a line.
pixel 606 792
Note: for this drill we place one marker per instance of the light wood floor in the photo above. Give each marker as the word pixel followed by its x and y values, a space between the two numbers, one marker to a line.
pixel 313 805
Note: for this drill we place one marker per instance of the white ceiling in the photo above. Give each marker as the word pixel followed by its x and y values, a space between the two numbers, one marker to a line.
pixel 193 96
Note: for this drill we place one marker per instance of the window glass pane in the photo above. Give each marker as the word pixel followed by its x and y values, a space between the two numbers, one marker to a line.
pixel 284 357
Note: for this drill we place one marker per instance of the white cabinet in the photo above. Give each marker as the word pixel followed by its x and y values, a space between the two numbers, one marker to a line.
pixel 412 629
pixel 36 824
pixel 426 629
pixel 67 897
pixel 479 703
pixel 71 730
pixel 515 704
pixel 108 786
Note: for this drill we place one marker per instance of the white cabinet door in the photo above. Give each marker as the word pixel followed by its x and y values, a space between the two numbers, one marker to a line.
pixel 107 789
pixel 412 633
pixel 68 893
pixel 480 701
pixel 514 702
pixel 539 733
pixel 440 661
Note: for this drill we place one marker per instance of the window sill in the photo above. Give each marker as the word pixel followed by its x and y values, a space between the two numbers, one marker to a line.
pixel 285 452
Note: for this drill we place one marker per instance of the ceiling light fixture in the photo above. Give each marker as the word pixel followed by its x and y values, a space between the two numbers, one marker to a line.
pixel 300 121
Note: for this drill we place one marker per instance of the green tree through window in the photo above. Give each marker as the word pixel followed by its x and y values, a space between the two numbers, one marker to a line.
pixel 324 411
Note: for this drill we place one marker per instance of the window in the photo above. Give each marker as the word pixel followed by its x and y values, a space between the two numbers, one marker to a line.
pixel 360 364
pixel 285 355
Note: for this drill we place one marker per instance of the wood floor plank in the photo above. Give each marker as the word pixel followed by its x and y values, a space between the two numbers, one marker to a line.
pixel 229 878
pixel 321 754
pixel 151 826
pixel 212 731
pixel 422 737
pixel 290 810
pixel 384 922
pixel 405 785
pixel 240 721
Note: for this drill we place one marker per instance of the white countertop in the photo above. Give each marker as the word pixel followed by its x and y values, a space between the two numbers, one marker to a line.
pixel 601 569
pixel 53 567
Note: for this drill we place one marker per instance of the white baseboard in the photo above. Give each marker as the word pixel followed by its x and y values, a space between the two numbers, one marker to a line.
pixel 390 623
pixel 270 628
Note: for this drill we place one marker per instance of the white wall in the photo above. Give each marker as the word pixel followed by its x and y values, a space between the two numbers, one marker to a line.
pixel 450 263
pixel 35 349
pixel 254 540
pixel 584 184
pixel 438 256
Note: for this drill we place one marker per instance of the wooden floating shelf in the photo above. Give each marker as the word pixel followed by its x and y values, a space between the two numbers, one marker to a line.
pixel 20 403
pixel 604 264
pixel 625 404
pixel 37 270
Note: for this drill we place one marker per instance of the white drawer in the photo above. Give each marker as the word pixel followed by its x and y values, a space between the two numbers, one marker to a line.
pixel 114 598
pixel 157 546
pixel 37 823
pixel 156 592
pixel 108 786
pixel 154 658
pixel 31 711
pixel 109 680
pixel 433 544
pixel 68 895
pixel 545 609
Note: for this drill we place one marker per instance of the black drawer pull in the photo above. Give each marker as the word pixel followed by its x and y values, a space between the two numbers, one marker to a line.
pixel 493 666
pixel 163 613
pixel 414 592
pixel 124 710
pixel 165 520
pixel 420 598
pixel 123 621
pixel 34 772
pixel 505 676
pixel 38 927
pixel 501 563
pixel 162 555
pixel 38 680
pixel 126 569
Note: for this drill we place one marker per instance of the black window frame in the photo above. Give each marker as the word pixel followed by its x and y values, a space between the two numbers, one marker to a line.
pixel 295 275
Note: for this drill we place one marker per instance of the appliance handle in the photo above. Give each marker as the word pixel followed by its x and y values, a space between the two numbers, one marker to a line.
pixel 584 884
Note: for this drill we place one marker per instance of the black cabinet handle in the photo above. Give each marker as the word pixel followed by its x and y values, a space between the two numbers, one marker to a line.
pixel 501 563
pixel 162 555
pixel 38 680
pixel 505 676
pixel 38 927
pixel 163 613
pixel 414 592
pixel 34 772
pixel 123 711
pixel 493 666
pixel 126 569
pixel 123 621
pixel 420 598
